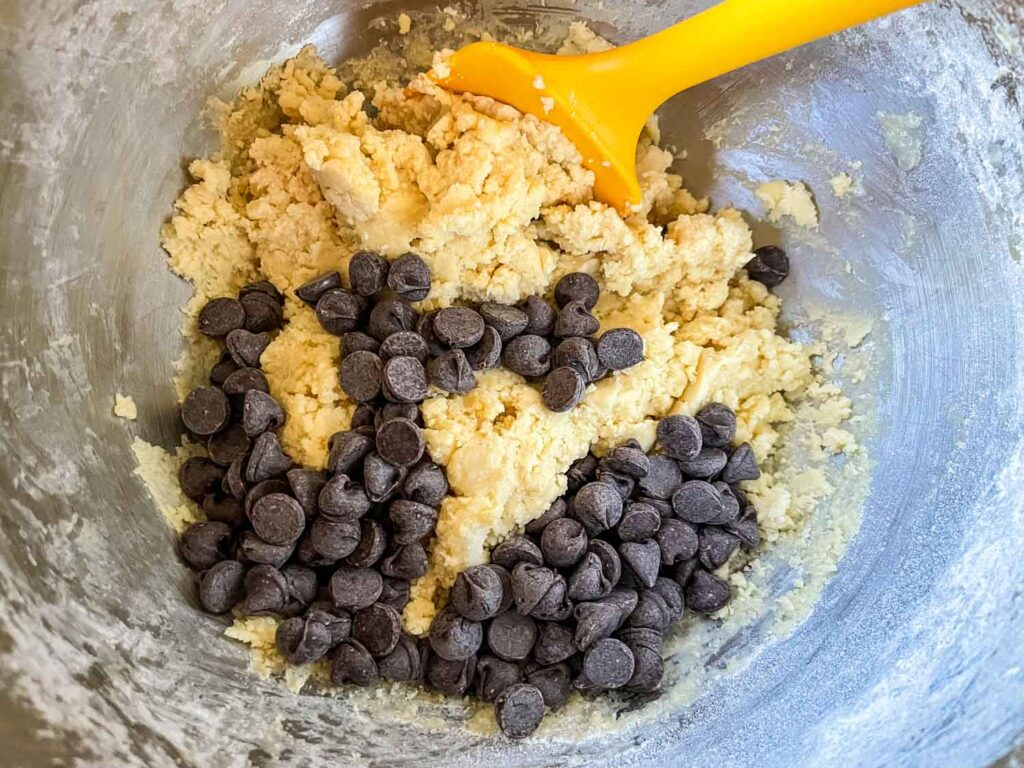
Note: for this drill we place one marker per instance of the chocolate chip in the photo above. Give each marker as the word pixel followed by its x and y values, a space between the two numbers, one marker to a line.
pixel 334 539
pixel 519 710
pixel 742 465
pixel 608 664
pixel 277 519
pixel 264 488
pixel 717 425
pixel 198 476
pixel 302 641
pixel 381 478
pixel 402 663
pixel 343 500
pixel 651 612
pixel 623 484
pixel 514 550
pixel 575 320
pixel 628 459
pixel 411 521
pixel 311 291
pixel 205 544
pixel 220 317
pixel 361 374
pixel 540 316
pixel 348 450
pixel 620 348
pixel 395 593
pixel 716 547
pixel 677 540
pixel 404 380
pixel 476 593
pixel 507 321
pixel 352 663
pixel 338 311
pixel 223 508
pixel 624 600
pixel 378 627
pixel 581 472
pixel 594 621
pixel 705 465
pixel 494 675
pixel 404 344
pixel 400 442
pixel 357 341
pixel 222 369
pixel 262 286
pixel 245 379
pixel 598 506
pixel 639 521
pixel 454 637
pixel 367 273
pixel 663 478
pixel 373 540
pixel 697 501
pixel 408 562
pixel 409 277
pixel 458 327
pixel 554 643
pixel 643 559
pixel 579 353
pixel 511 635
pixel 527 355
pixel 450 678
pixel 597 573
pixel 451 372
pixel 577 286
pixel 672 594
pixel 425 328
pixel 486 353
pixel 563 543
pixel 389 411
pixel 246 348
pixel 365 415
pixel 649 668
pixel 730 505
pixel 337 621
pixel 770 266
pixel 266 591
pixel 563 389
pixel 390 316
pixel 684 571
pixel 553 683
pixel 262 312
pixel 539 592
pixel 426 484
pixel 557 511
pixel 227 445
pixel 355 588
pixel 745 529
pixel 302 588
pixel 205 410
pixel 260 413
pixel 706 593
pixel 252 549
pixel 680 437
pixel 506 586
pixel 221 586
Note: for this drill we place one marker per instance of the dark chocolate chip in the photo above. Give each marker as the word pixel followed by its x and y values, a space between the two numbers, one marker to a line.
pixel 373 540
pixel 451 372
pixel 220 317
pixel 367 273
pixel 622 483
pixel 643 559
pixel 677 540
pixel 514 550
pixel 494 675
pixel 400 442
pixel 365 415
pixel 620 348
pixel 539 592
pixel 454 637
pixel 663 478
pixel 266 591
pixel 540 316
pixel 594 621
pixel 409 277
pixel 337 621
pixel 343 500
pixel 302 588
pixel 378 627
pixel 519 710
pixel 742 465
pixel 579 353
pixel 404 344
pixel 598 506
pixel 581 472
pixel 628 459
pixel 557 511
pixel 684 571
pixel 672 594
pixel 357 341
pixel 705 465
pixel 624 600
pixel 507 321
pixel 680 437
pixel 198 476
pixel 426 483
pixel 334 539
pixel 716 547
pixel 450 678
pixel 425 328
pixel 477 593
pixel 575 320
pixel 408 562
pixel 770 266
pixel 222 369
pixel 395 593
pixel 390 316
pixel 649 668
pixel 221 586
pixel 265 488
pixel 745 529
pixel 563 543
pixel 260 413
pixel 262 312
pixel 554 643
pixel 352 663
pixel 563 389
pixel 381 478
pixel 577 286
pixel 697 501
pixel 244 379
pixel 706 593
pixel 506 586
pixel 348 450
pixel 246 348
pixel 262 286
pixel 458 327
pixel 486 353
pixel 527 355
pixel 228 444
pixel 410 521
pixel 730 505
pixel 597 573
pixel 404 380
pixel 511 635
pixel 303 641
pixel 717 425
pixel 223 508
pixel 639 521
pixel 608 664
pixel 205 544
pixel 277 519
pixel 651 612
pixel 553 682
pixel 252 549
pixel 361 374
pixel 311 291
pixel 338 311
pixel 402 663
pixel 355 588
pixel 205 410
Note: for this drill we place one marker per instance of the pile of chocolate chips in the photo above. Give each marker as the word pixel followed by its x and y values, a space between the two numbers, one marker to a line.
pixel 389 350
pixel 583 597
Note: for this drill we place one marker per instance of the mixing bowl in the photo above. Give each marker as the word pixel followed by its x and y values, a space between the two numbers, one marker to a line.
pixel 912 656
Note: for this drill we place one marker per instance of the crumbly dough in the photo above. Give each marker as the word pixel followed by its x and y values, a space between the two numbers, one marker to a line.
pixel 842 184
pixel 783 198
pixel 125 408
pixel 500 206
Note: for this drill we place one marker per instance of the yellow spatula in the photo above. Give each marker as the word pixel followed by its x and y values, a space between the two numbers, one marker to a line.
pixel 602 100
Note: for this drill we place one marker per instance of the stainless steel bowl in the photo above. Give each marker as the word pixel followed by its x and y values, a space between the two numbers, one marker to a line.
pixel 913 655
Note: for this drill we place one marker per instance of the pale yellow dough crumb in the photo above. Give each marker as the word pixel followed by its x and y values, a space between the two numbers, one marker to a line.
pixel 842 184
pixel 404 24
pixel 125 408
pixel 792 199
pixel 159 470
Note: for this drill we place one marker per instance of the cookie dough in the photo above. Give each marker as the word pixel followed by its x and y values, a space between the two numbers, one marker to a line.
pixel 500 206
pixel 783 198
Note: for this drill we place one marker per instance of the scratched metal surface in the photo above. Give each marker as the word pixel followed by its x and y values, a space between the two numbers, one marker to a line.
pixel 913 656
